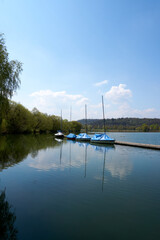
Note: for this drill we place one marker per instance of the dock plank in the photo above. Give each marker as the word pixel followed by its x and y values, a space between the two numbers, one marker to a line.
pixel 142 145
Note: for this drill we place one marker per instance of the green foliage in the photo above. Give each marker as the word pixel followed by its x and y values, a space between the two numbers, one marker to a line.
pixel 75 127
pixel 42 122
pixel 9 77
pixel 21 120
pixel 55 123
pixel 3 126
pixel 145 127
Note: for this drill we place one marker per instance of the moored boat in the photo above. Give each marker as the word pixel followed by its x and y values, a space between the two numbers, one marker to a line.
pixel 71 136
pixel 59 134
pixel 102 138
pixel 83 137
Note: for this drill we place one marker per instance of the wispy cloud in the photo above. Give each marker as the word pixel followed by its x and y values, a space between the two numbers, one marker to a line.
pixel 98 84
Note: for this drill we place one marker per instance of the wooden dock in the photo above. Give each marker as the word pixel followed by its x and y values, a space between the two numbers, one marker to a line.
pixel 142 145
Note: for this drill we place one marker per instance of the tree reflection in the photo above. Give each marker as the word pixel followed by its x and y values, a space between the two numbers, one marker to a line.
pixel 7 219
pixel 15 148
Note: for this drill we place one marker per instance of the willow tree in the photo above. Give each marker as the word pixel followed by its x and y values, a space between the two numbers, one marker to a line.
pixel 9 77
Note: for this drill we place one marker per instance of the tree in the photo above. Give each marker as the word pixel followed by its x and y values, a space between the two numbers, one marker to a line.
pixel 76 126
pixel 19 119
pixel 145 127
pixel 9 77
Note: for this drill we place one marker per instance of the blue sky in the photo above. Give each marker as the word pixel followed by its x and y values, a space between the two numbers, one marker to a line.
pixel 73 51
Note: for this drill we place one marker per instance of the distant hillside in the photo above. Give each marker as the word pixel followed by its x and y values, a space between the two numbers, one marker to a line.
pixel 138 124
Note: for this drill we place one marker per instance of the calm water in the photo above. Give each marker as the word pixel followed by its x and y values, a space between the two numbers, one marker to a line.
pixel 70 190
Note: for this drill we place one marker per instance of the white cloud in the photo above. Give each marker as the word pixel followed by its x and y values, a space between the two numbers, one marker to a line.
pixel 52 102
pixel 49 93
pixel 118 94
pixel 117 104
pixel 98 84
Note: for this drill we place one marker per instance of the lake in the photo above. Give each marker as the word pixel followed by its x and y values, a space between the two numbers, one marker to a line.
pixel 71 190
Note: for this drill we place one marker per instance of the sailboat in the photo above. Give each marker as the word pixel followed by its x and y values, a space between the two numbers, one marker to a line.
pixel 103 137
pixel 84 136
pixel 59 133
pixel 71 136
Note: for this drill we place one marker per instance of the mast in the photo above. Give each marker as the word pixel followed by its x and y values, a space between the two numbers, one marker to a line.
pixel 70 113
pixel 103 115
pixel 86 117
pixel 70 119
pixel 61 120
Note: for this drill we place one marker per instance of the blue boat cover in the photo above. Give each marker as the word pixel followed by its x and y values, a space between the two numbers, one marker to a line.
pixel 83 136
pixel 71 136
pixel 101 137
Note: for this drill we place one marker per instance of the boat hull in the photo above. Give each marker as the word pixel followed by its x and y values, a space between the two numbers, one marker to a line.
pixel 61 137
pixel 71 136
pixel 83 139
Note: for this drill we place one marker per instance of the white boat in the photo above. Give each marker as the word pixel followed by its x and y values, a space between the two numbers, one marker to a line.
pixel 59 135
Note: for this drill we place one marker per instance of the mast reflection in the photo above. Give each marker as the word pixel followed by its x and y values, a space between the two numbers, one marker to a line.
pixel 103 149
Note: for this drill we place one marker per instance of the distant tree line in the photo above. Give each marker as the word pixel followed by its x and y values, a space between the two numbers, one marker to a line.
pixel 123 124
pixel 19 119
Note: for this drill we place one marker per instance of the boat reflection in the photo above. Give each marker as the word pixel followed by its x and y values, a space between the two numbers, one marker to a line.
pixel 102 147
pixel 59 140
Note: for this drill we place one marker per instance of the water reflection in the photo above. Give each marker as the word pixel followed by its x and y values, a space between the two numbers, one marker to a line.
pixel 47 153
pixel 7 219
pixel 13 149
pixel 103 169
pixel 103 149
pixel 58 158
pixel 119 166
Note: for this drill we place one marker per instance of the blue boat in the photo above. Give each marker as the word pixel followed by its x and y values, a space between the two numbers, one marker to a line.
pixel 83 137
pixel 102 138
pixel 71 136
